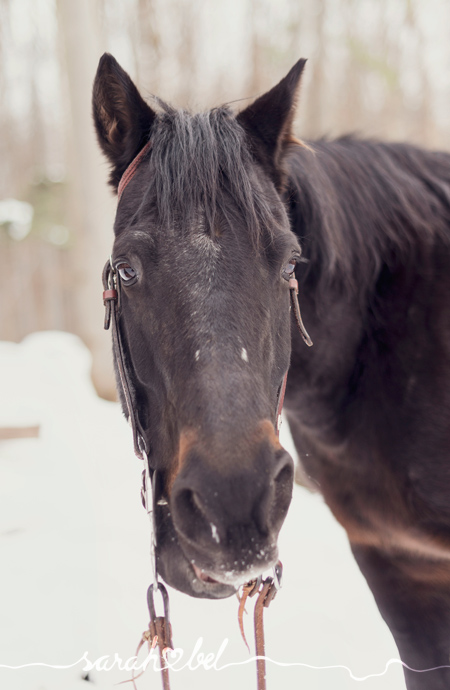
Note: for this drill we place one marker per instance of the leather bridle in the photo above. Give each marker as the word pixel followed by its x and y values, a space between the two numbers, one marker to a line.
pixel 111 300
pixel 160 629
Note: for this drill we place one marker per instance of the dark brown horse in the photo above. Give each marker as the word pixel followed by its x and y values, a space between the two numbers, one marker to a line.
pixel 219 211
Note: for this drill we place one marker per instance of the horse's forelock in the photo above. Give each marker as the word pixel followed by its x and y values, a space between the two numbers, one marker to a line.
pixel 202 162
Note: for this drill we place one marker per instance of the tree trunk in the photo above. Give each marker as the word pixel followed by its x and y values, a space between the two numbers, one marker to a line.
pixel 90 203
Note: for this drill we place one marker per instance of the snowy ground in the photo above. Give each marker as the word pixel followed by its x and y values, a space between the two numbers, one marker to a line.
pixel 74 556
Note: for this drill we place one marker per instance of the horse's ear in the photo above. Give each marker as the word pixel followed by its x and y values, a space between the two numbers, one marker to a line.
pixel 269 119
pixel 122 118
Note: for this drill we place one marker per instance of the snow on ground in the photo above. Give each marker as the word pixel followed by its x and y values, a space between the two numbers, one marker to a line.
pixel 75 567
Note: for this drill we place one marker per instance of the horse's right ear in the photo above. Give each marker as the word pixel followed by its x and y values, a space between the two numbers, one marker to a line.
pixel 123 120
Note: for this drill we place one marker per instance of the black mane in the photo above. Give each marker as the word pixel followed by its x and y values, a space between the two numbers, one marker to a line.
pixel 359 205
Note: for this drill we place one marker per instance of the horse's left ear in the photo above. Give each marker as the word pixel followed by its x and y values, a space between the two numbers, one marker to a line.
pixel 269 119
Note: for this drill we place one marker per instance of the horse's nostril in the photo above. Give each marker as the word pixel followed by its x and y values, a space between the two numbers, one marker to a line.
pixel 285 477
pixel 217 513
pixel 283 484
pixel 195 499
pixel 190 515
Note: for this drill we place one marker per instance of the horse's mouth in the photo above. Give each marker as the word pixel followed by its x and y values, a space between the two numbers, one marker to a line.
pixel 177 569
pixel 204 577
pixel 189 571
pixel 233 579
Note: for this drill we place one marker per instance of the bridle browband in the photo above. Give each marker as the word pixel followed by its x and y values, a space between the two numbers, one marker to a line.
pixel 129 172
pixel 160 632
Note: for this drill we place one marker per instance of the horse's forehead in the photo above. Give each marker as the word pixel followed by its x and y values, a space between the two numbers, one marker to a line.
pixel 201 233
pixel 205 244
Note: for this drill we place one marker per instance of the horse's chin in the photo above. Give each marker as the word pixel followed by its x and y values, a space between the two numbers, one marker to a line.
pixel 179 573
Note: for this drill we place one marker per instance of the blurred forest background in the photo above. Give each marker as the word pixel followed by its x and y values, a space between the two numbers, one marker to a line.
pixel 380 68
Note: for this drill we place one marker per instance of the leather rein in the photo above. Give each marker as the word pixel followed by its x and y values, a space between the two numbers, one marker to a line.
pixel 160 632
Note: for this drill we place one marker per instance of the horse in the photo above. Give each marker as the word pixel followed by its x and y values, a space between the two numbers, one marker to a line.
pixel 219 211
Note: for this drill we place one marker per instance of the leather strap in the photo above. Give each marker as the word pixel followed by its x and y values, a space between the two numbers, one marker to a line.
pixel 280 403
pixel 266 591
pixel 293 287
pixel 259 633
pixel 111 295
pixel 160 630
pixel 129 172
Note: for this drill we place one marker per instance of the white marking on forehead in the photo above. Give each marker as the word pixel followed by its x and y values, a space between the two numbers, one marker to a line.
pixel 201 237
pixel 244 354
pixel 197 355
pixel 205 243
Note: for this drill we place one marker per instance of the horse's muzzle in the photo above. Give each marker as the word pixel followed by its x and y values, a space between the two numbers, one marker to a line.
pixel 222 523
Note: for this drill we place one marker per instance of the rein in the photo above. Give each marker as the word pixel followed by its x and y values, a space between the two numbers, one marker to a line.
pixel 160 631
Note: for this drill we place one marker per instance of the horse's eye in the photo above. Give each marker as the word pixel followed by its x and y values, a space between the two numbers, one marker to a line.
pixel 126 272
pixel 289 268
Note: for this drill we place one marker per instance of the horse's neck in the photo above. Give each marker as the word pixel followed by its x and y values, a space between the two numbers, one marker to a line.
pixel 335 216
pixel 331 289
pixel 360 303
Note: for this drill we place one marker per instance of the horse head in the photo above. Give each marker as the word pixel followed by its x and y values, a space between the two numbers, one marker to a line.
pixel 204 251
